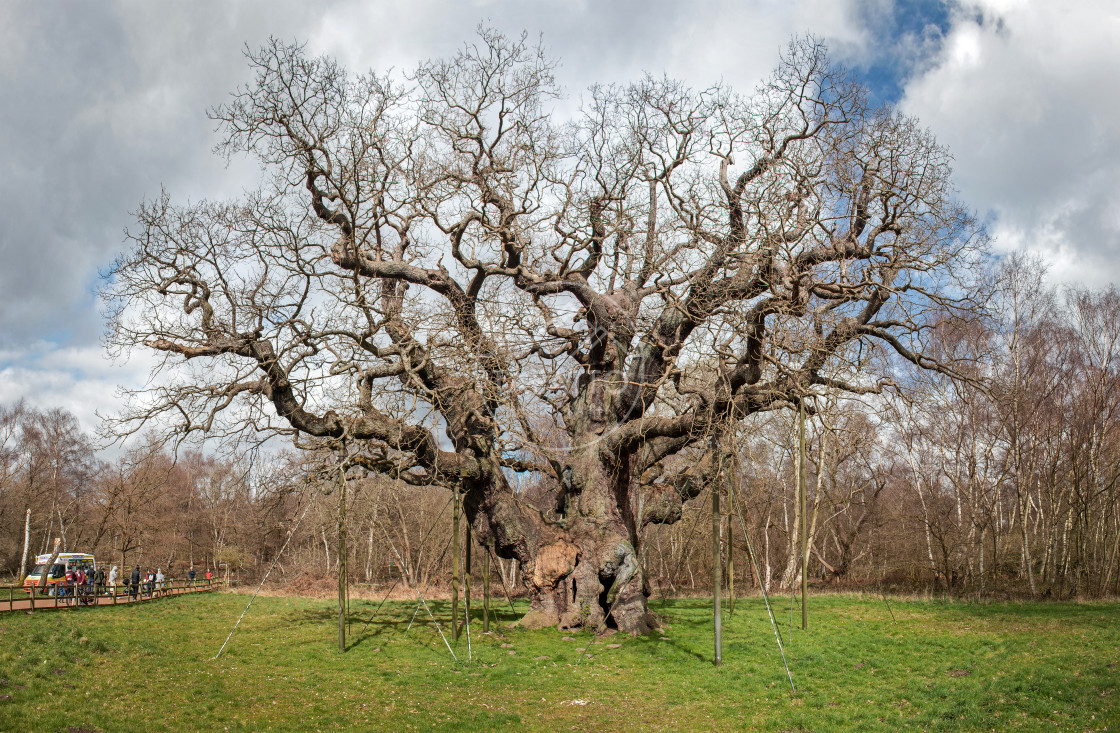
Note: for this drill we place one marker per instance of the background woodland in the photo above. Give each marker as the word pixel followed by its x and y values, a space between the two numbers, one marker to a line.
pixel 999 484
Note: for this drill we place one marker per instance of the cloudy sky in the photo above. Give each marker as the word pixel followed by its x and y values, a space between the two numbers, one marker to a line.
pixel 103 104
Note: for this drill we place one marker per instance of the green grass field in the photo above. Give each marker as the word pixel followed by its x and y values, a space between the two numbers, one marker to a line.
pixel 941 666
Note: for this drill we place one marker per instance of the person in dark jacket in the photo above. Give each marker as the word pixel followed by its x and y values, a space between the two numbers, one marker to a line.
pixel 91 587
pixel 135 585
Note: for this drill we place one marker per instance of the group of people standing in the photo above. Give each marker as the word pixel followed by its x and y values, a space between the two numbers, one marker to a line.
pixel 150 584
pixel 191 575
pixel 86 584
pixel 82 584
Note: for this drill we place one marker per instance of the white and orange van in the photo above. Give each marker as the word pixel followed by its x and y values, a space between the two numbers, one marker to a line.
pixel 64 563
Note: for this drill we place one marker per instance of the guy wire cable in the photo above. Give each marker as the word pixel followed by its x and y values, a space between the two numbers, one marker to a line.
pixel 468 624
pixel 429 581
pixel 762 587
pixel 433 618
pixel 396 582
pixel 796 565
pixel 501 578
pixel 291 533
pixel 420 596
pixel 423 540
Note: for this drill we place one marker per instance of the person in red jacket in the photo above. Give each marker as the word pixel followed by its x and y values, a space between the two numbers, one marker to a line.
pixel 67 588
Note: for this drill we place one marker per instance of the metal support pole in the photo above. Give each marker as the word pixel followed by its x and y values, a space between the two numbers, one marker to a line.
pixel 804 518
pixel 762 588
pixel 717 520
pixel 455 539
pixel 342 558
pixel 730 554
pixel 486 589
pixel 467 577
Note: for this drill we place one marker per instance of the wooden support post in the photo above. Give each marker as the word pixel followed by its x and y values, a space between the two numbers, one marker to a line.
pixel 342 584
pixel 455 539
pixel 717 520
pixel 467 573
pixel 804 518
pixel 730 556
pixel 486 588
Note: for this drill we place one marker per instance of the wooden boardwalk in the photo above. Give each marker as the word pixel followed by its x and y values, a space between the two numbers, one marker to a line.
pixel 15 598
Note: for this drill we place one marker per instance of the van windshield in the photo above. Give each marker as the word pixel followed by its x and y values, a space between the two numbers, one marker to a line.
pixel 57 571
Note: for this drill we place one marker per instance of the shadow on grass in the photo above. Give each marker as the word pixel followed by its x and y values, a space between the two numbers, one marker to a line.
pixel 311 615
pixel 392 622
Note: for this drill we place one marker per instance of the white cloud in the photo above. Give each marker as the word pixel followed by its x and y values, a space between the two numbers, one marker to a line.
pixel 78 379
pixel 1022 95
pixel 700 42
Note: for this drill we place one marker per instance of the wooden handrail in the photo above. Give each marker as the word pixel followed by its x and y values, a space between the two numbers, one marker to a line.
pixel 18 594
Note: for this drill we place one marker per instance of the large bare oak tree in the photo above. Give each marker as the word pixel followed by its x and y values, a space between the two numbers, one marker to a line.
pixel 472 286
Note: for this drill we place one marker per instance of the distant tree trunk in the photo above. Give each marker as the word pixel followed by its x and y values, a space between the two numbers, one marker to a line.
pixel 369 556
pixel 1028 563
pixel 981 592
pixel 792 527
pixel 26 543
pixel 730 559
pixel 1114 556
pixel 50 564
pixel 765 582
pixel 47 533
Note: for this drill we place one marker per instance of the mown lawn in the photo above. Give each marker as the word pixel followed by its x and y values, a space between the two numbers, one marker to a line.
pixel 937 666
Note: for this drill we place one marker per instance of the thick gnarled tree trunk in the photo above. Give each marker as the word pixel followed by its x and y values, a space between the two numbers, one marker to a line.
pixel 585 572
pixel 580 567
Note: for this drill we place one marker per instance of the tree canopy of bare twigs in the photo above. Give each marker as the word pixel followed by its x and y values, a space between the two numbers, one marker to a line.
pixel 448 271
